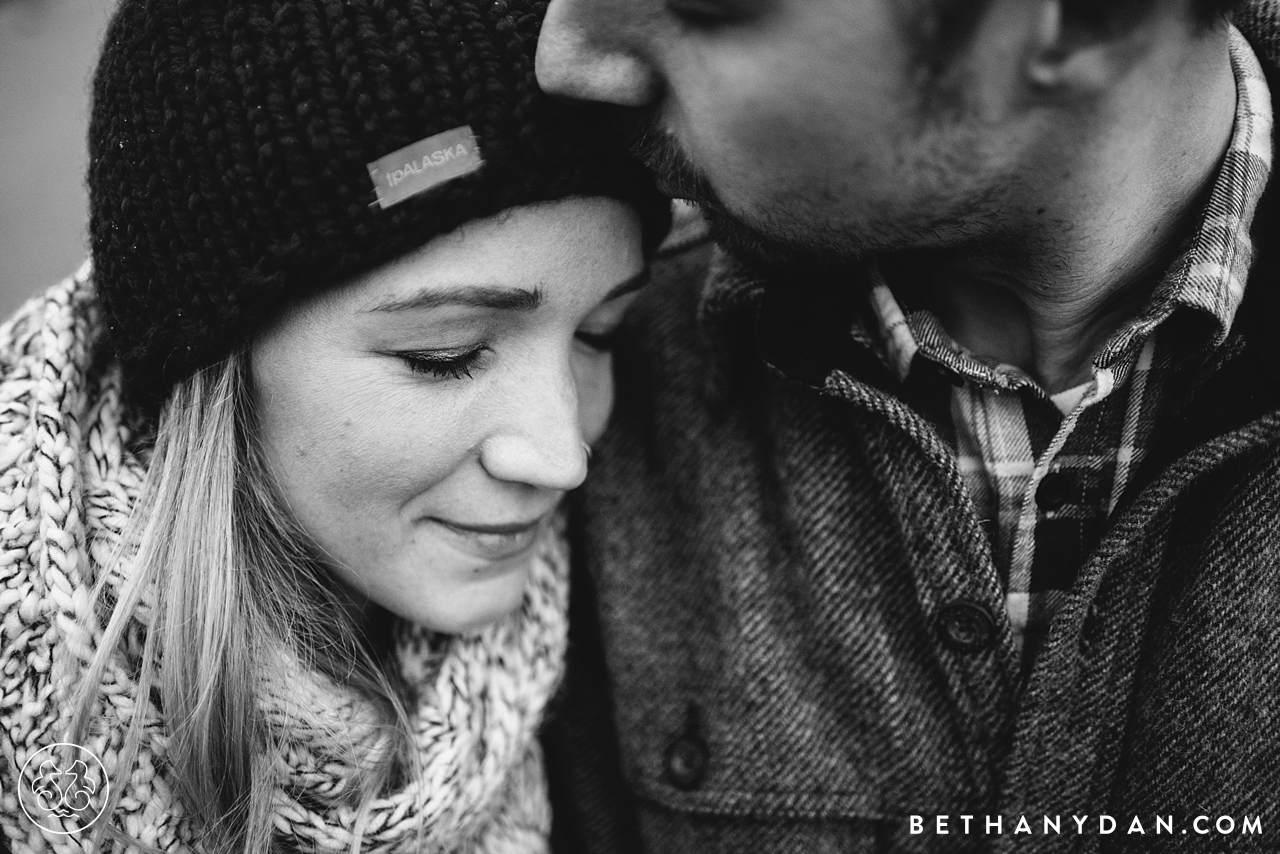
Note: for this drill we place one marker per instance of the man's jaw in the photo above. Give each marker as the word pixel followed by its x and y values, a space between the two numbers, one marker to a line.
pixel 676 175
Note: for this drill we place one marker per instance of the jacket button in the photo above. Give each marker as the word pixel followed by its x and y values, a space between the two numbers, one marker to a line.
pixel 686 762
pixel 1053 491
pixel 966 626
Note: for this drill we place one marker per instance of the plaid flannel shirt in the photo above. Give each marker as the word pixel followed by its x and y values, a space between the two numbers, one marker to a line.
pixel 1046 471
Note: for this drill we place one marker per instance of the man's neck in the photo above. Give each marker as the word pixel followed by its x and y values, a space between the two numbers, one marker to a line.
pixel 1091 241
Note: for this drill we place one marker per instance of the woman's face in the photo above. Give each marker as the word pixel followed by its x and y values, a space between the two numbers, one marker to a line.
pixel 423 420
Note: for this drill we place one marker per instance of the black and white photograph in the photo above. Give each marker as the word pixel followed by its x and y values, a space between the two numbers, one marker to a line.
pixel 639 427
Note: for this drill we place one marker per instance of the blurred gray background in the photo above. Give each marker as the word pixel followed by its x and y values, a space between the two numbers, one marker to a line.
pixel 47 53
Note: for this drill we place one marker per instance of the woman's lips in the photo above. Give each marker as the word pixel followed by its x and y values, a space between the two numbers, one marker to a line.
pixel 491 542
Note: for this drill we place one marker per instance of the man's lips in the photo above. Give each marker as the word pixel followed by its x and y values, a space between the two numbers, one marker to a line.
pixel 673 171
pixel 490 541
pixel 672 186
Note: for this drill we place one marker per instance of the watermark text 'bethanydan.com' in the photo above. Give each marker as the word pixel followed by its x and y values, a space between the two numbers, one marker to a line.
pixel 1103 825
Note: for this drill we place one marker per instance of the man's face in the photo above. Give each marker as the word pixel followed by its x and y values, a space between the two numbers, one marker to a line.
pixel 807 128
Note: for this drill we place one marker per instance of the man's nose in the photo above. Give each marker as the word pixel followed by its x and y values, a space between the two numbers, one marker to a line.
pixel 583 53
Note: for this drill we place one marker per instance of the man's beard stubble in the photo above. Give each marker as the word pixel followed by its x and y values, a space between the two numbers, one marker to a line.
pixel 678 176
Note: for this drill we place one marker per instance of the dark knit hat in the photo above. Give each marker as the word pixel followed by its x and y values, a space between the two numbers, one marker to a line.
pixel 246 152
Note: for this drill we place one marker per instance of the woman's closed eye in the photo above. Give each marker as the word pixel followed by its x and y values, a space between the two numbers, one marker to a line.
pixel 448 364
pixel 602 340
pixel 601 329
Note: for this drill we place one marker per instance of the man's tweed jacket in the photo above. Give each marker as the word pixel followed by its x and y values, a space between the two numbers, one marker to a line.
pixel 788 634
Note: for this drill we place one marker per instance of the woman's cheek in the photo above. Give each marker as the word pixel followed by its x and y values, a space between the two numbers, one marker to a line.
pixel 408 444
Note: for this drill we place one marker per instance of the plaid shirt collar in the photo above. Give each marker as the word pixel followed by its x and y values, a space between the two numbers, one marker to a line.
pixel 1207 277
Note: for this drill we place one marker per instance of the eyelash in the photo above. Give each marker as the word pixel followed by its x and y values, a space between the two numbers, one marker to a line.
pixel 444 365
pixel 697 13
pixel 453 365
pixel 600 342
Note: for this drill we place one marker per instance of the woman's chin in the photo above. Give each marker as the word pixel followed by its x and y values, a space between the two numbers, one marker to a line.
pixel 471 603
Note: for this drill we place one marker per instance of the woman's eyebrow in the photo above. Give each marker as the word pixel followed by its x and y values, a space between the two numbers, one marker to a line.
pixel 469 296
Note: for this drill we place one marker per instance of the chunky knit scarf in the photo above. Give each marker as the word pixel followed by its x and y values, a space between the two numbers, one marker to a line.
pixel 68 479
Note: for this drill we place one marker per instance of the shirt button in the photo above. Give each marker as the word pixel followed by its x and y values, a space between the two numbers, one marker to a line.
pixel 991 527
pixel 966 626
pixel 686 762
pixel 1053 491
pixel 947 374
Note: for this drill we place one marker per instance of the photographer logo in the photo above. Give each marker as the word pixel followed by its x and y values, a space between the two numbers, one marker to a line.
pixel 63 788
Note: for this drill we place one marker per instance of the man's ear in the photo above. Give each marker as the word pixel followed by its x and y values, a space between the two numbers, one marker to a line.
pixel 1081 47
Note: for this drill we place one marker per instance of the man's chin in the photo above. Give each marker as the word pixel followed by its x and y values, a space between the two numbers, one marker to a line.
pixel 754 246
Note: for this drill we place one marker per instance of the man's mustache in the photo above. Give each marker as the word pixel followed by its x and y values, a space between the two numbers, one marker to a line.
pixel 662 155
pixel 676 175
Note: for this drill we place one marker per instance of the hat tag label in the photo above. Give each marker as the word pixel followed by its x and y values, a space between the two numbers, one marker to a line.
pixel 424 164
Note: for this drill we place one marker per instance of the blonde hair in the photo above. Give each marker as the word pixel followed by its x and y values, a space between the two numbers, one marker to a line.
pixel 232 577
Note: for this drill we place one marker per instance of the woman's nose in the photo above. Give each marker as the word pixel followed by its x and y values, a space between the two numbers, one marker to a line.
pixel 540 442
pixel 582 54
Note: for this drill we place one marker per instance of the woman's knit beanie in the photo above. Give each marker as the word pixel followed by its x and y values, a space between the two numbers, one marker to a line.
pixel 247 152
